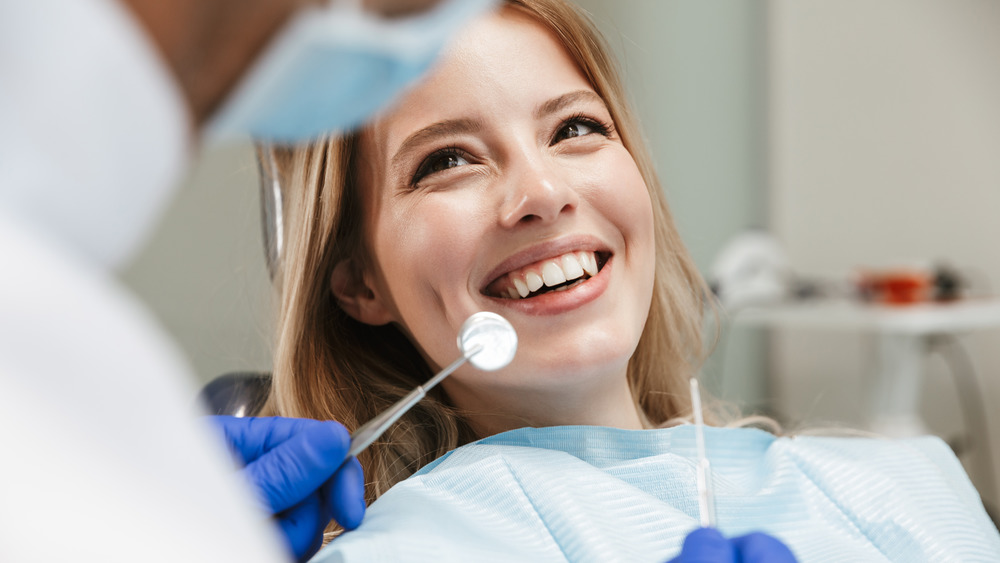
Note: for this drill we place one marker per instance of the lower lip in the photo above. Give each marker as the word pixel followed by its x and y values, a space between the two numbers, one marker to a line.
pixel 556 302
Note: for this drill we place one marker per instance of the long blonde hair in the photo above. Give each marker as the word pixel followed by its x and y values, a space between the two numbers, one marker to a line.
pixel 329 366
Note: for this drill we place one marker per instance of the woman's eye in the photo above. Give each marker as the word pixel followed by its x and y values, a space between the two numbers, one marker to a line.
pixel 438 162
pixel 578 127
pixel 576 130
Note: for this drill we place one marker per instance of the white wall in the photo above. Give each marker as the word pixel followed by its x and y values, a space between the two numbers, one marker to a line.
pixel 885 149
pixel 203 272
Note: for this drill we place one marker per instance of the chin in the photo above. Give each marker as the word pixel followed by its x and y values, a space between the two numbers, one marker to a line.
pixel 581 357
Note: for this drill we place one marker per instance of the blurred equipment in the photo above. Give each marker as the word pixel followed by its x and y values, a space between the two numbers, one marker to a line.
pixel 905 286
pixel 904 307
pixel 751 270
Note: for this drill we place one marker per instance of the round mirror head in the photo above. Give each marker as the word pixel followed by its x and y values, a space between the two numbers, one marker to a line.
pixel 488 340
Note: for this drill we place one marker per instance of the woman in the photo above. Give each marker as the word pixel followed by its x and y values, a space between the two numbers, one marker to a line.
pixel 333 229
pixel 512 180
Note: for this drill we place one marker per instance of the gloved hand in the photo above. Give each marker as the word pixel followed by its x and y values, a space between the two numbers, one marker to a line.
pixel 707 545
pixel 299 470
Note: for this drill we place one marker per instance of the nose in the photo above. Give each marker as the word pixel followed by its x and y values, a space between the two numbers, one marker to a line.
pixel 536 194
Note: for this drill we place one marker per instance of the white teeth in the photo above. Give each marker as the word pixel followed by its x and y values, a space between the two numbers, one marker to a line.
pixel 571 267
pixel 533 280
pixel 556 271
pixel 521 287
pixel 553 274
pixel 589 262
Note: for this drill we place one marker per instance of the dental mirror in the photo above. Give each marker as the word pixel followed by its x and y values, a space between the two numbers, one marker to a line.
pixel 486 340
pixel 495 337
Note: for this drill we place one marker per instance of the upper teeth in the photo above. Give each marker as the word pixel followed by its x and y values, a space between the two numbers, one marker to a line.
pixel 550 272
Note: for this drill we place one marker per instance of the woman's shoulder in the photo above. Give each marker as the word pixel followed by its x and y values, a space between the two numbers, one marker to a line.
pixel 905 460
pixel 673 451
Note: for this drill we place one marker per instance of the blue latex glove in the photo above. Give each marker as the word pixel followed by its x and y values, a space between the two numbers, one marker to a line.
pixel 707 545
pixel 299 470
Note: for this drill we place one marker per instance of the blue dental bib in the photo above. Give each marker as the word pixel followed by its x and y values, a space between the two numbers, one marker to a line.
pixel 580 493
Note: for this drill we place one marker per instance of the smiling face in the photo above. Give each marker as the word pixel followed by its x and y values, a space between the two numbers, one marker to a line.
pixel 500 184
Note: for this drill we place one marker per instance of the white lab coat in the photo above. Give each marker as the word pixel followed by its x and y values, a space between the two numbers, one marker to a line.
pixel 102 454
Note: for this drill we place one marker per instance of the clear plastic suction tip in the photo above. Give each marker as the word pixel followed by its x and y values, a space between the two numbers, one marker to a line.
pixel 494 338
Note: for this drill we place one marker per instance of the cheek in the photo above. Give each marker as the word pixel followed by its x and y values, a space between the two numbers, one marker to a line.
pixel 620 193
pixel 424 248
pixel 412 243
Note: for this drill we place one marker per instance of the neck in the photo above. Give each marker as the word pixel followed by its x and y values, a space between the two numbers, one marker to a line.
pixel 497 410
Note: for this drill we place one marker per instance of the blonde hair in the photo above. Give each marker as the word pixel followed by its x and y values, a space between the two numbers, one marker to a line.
pixel 329 366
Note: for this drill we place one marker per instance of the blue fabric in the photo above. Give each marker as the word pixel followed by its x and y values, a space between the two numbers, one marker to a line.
pixel 602 494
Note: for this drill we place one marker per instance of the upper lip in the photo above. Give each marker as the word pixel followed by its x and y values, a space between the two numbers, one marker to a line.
pixel 541 251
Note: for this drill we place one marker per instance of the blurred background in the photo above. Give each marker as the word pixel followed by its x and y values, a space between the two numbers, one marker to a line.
pixel 857 134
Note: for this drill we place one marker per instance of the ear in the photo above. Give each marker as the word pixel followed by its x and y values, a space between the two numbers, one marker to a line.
pixel 355 297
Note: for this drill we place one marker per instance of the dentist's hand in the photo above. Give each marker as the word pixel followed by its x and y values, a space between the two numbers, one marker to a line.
pixel 707 545
pixel 298 469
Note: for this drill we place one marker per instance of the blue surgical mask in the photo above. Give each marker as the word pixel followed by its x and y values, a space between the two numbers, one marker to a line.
pixel 333 67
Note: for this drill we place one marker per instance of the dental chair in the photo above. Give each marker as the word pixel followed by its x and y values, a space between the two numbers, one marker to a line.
pixel 236 394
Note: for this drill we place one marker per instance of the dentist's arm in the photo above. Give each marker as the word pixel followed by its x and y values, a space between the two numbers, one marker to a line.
pixel 301 472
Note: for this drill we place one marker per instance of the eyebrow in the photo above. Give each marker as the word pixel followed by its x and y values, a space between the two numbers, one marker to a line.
pixel 556 104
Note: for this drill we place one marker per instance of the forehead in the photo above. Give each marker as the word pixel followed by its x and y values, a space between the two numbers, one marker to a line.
pixel 503 65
